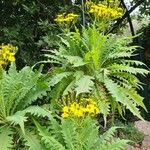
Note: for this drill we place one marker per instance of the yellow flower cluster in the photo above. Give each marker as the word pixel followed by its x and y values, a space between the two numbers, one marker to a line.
pixel 7 53
pixel 66 18
pixel 104 10
pixel 85 107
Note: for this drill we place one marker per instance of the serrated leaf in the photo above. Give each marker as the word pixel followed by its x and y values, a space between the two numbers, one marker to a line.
pixel 32 141
pixel 135 97
pixel 129 69
pixel 84 85
pixel 5 139
pixel 58 77
pixel 75 61
pixel 38 111
pixel 17 119
pixel 119 95
pixel 104 107
pixel 69 88
pixel 49 141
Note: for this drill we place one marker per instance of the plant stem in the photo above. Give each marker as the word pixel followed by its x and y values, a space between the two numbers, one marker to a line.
pixel 83 13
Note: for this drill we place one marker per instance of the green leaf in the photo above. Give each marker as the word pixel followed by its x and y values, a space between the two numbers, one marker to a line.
pixel 69 88
pixel 118 93
pixel 58 77
pixel 108 141
pixel 104 107
pixel 121 55
pixel 132 93
pixel 5 139
pixel 32 141
pixel 17 119
pixel 68 130
pixel 38 111
pixel 84 85
pixel 49 141
pixel 129 69
pixel 88 139
pixel 75 61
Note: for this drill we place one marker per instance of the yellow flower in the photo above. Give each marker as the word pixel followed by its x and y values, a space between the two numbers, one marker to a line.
pixel 78 113
pixel 7 53
pixel 81 109
pixel 105 9
pixel 90 108
pixel 1 62
pixel 66 109
pixel 91 101
pixel 66 18
pixel 65 115
pixel 4 55
pixel 73 107
pixel 11 58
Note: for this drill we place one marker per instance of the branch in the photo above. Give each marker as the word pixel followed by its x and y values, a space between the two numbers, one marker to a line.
pixel 126 15
pixel 128 18
pixel 135 40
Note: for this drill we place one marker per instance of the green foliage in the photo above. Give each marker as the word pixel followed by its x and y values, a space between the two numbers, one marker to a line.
pixel 84 85
pixel 31 141
pixel 32 22
pixel 87 63
pixel 100 65
pixel 129 131
pixel 18 89
pixel 73 134
pixel 5 138
pixel 143 8
pixel 30 26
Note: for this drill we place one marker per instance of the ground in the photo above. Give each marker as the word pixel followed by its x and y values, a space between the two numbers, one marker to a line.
pixel 144 127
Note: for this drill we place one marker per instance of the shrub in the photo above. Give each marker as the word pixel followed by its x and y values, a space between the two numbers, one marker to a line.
pixel 17 92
